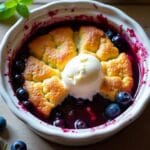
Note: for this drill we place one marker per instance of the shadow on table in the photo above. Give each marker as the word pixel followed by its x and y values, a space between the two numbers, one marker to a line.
pixel 5 134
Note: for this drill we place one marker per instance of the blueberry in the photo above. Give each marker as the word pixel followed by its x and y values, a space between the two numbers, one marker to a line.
pixel 59 123
pixel 28 105
pixel 24 54
pixel 109 33
pixel 119 42
pixel 80 102
pixel 112 111
pixel 19 65
pixel 22 94
pixel 58 115
pixel 19 145
pixel 124 99
pixel 3 123
pixel 19 78
pixel 71 115
pixel 80 124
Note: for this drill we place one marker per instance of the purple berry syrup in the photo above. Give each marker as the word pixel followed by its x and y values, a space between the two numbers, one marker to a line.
pixel 72 112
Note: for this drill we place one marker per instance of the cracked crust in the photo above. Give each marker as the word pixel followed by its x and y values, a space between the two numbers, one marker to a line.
pixel 37 70
pixel 93 41
pixel 118 76
pixel 89 38
pixel 55 48
pixel 47 95
pixel 106 50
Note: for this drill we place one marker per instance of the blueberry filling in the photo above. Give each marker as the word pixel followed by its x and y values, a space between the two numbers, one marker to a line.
pixel 112 111
pixel 19 65
pixel 109 33
pixel 75 113
pixel 22 94
pixel 28 105
pixel 117 39
pixel 119 42
pixel 124 99
pixel 19 79
pixel 80 124
pixel 59 123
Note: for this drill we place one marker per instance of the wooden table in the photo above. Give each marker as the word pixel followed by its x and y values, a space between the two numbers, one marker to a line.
pixel 134 137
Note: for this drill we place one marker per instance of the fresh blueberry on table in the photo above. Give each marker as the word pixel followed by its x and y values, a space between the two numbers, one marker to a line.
pixel 19 65
pixel 124 99
pixel 19 145
pixel 112 111
pixel 22 94
pixel 80 124
pixel 3 123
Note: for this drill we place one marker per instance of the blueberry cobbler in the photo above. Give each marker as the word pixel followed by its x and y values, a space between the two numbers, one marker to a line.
pixel 75 75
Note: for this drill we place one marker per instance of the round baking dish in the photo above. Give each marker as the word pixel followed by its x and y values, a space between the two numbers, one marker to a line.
pixel 85 10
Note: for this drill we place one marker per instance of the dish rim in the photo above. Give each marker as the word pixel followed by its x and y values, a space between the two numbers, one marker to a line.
pixel 84 133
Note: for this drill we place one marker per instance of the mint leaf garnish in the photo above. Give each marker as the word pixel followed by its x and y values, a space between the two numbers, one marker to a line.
pixel 10 7
pixel 26 2
pixel 22 9
pixel 10 3
pixel 6 13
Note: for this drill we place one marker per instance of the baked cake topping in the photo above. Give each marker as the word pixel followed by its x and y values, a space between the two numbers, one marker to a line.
pixel 46 95
pixel 37 70
pixel 55 48
pixel 66 68
pixel 117 76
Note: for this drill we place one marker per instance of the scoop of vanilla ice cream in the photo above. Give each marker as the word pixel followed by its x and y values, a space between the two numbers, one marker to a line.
pixel 83 76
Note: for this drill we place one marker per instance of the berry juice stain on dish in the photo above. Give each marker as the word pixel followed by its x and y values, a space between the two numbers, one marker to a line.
pixel 75 75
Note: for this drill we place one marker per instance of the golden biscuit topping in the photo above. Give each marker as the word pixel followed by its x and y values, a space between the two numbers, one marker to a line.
pixel 118 76
pixel 46 95
pixel 106 50
pixel 56 48
pixel 50 53
pixel 37 70
pixel 90 38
